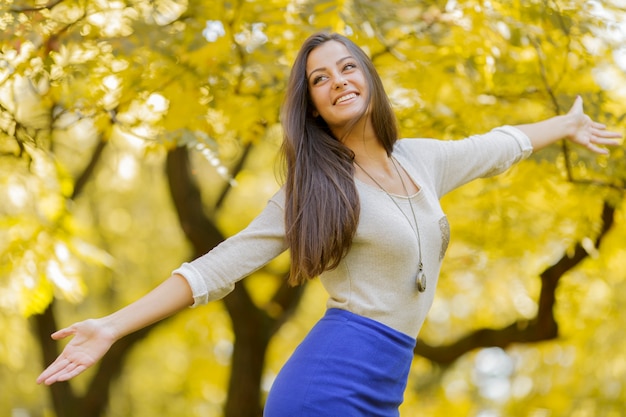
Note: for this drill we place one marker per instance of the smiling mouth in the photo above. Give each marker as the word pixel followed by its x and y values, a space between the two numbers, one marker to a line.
pixel 345 98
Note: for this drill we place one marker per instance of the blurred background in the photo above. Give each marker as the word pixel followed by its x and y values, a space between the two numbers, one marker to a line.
pixel 136 135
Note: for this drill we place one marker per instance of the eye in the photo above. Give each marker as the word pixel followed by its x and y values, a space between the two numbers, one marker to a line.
pixel 349 66
pixel 319 78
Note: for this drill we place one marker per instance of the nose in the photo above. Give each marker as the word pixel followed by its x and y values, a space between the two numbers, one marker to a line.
pixel 340 82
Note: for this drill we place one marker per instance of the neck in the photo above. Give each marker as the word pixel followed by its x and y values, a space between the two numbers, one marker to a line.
pixel 360 137
pixel 368 150
pixel 372 160
pixel 374 157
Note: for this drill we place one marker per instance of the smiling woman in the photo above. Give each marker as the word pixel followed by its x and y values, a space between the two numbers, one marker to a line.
pixel 339 92
pixel 360 209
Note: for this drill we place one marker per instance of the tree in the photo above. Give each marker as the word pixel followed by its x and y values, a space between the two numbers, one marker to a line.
pixel 89 87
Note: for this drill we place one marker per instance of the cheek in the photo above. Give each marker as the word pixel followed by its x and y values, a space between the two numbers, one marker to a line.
pixel 365 88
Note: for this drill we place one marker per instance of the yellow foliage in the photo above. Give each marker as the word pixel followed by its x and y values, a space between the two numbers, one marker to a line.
pixel 145 77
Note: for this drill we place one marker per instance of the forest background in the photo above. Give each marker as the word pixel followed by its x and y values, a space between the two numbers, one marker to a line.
pixel 136 135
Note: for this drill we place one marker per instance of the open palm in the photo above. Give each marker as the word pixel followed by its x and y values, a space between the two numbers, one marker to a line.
pixel 90 342
pixel 588 133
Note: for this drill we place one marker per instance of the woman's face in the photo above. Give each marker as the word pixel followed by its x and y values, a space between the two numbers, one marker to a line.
pixel 337 84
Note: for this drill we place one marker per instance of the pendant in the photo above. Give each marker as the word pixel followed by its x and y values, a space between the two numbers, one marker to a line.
pixel 421 280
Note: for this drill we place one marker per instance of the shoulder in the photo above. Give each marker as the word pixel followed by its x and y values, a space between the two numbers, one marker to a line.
pixel 278 199
pixel 419 147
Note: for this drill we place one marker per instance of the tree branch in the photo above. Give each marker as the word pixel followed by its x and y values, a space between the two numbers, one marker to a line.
pixel 542 327
pixel 83 178
pixel 24 9
pixel 199 230
pixel 236 169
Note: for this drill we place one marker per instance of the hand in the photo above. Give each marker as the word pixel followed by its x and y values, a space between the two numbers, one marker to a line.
pixel 90 342
pixel 588 133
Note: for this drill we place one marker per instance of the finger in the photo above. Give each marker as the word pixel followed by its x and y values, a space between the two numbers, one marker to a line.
pixel 60 370
pixel 598 140
pixel 69 374
pixel 41 378
pixel 607 134
pixel 65 374
pixel 53 369
pixel 603 137
pixel 578 101
pixel 62 373
pixel 599 129
pixel 597 149
pixel 60 334
pixel 577 106
pixel 605 142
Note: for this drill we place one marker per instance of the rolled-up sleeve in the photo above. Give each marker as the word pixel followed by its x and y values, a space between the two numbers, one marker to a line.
pixel 509 157
pixel 213 275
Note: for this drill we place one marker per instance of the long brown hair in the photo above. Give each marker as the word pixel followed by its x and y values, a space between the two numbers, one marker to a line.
pixel 322 204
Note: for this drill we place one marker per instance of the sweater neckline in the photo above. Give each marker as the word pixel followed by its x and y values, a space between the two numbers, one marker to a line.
pixel 400 196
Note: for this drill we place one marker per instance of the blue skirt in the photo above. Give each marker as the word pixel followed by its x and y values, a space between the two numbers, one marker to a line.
pixel 347 366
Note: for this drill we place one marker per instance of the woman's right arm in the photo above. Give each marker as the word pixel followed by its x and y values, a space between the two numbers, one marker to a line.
pixel 208 278
pixel 93 338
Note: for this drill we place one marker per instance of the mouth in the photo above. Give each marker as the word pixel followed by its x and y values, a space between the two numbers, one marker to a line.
pixel 345 98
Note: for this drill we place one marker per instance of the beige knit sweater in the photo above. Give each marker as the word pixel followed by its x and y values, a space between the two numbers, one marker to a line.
pixel 377 277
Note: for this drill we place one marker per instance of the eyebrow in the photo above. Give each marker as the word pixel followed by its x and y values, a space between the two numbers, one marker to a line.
pixel 339 61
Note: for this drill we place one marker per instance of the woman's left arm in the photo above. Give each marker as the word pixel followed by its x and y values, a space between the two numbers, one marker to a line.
pixel 574 126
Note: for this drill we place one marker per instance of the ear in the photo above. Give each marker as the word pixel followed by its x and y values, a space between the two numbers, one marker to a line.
pixel 315 113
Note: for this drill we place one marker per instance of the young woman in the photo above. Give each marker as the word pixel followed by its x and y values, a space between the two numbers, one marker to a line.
pixel 359 209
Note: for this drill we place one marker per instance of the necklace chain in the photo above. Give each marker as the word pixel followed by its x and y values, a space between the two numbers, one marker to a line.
pixel 421 277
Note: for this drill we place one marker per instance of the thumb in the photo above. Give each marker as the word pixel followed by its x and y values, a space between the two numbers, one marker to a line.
pixel 577 107
pixel 60 334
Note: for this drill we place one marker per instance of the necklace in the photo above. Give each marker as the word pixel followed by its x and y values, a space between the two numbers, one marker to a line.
pixel 420 278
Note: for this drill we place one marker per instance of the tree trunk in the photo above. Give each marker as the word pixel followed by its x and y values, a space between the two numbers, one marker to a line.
pixel 252 326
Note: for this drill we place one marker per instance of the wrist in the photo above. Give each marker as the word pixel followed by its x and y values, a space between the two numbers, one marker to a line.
pixel 109 327
pixel 569 125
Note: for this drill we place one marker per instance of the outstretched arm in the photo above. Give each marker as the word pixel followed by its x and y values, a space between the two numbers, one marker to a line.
pixel 575 126
pixel 93 338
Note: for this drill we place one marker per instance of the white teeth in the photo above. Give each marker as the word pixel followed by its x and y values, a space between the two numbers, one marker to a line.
pixel 344 98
